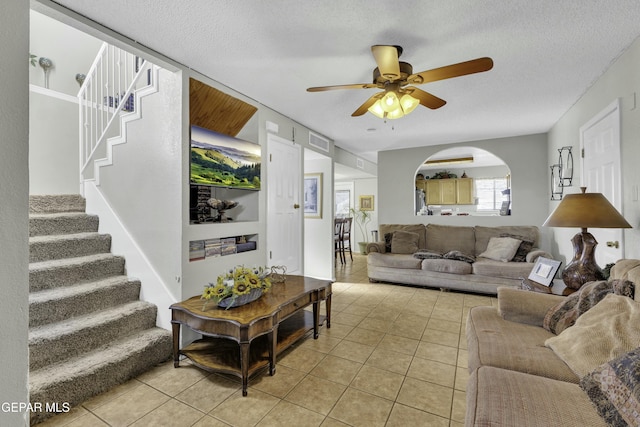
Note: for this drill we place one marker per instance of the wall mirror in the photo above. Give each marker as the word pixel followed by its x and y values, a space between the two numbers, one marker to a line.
pixel 463 181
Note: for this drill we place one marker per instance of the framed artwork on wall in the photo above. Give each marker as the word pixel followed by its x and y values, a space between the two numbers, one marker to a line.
pixel 366 203
pixel 313 195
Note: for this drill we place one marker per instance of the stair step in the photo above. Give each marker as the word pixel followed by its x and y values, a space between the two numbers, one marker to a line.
pixel 44 248
pixel 72 271
pixel 88 330
pixel 57 203
pixel 58 304
pixel 78 379
pixel 46 224
pixel 73 337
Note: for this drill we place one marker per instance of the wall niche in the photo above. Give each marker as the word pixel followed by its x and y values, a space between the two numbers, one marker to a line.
pixel 225 158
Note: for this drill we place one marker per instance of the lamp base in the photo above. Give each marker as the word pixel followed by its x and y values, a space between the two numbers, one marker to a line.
pixel 583 268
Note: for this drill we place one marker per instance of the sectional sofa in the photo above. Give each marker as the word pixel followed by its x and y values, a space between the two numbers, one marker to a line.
pixel 546 360
pixel 453 257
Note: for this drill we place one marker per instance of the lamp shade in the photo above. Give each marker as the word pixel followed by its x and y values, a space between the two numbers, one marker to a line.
pixel 586 210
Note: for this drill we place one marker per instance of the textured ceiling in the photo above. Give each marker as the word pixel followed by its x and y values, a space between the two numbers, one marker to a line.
pixel 546 54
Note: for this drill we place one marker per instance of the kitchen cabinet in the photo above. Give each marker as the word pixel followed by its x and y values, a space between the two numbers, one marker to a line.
pixel 452 191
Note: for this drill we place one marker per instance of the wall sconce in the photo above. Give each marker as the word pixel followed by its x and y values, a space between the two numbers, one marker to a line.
pixel 566 166
pixel 556 188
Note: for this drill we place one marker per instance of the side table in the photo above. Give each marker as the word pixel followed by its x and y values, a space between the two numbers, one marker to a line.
pixel 558 287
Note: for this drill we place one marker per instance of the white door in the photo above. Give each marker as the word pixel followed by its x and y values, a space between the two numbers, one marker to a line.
pixel 600 140
pixel 284 216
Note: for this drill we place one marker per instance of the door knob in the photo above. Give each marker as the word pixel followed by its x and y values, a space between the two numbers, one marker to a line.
pixel 296 206
pixel 614 244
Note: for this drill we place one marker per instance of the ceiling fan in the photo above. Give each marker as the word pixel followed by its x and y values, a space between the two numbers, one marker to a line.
pixel 393 76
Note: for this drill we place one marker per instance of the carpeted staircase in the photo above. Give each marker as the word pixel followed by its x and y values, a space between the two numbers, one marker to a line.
pixel 88 330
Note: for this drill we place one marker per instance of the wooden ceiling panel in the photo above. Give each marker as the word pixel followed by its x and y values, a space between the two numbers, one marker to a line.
pixel 212 109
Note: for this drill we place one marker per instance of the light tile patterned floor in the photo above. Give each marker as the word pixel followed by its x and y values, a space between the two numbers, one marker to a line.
pixel 394 356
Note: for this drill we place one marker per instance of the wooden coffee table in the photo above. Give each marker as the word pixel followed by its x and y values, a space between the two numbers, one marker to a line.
pixel 243 340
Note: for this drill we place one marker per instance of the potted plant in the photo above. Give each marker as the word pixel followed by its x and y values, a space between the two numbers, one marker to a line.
pixel 362 218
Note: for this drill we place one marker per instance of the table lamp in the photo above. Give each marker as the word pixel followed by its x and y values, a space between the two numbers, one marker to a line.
pixel 584 210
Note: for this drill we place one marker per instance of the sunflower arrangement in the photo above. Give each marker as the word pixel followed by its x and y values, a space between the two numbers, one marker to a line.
pixel 236 282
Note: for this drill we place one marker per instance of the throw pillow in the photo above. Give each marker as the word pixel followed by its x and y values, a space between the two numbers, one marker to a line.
pixel 525 247
pixel 427 255
pixel 501 248
pixel 625 288
pixel 404 242
pixel 387 241
pixel 606 331
pixel 457 255
pixel 564 314
pixel 614 389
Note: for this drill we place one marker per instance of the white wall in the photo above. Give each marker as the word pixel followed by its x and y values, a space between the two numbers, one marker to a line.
pixel 620 81
pixel 144 185
pixel 526 157
pixel 318 232
pixel 14 224
pixel 53 144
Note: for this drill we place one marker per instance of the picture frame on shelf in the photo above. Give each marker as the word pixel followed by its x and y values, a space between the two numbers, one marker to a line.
pixel 366 203
pixel 313 195
pixel 544 271
pixel 505 209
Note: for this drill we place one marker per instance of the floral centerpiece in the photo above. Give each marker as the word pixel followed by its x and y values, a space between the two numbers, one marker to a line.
pixel 238 286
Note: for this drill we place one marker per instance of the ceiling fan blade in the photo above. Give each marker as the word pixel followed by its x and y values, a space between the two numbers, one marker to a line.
pixel 425 98
pixel 368 103
pixel 352 86
pixel 387 59
pixel 454 70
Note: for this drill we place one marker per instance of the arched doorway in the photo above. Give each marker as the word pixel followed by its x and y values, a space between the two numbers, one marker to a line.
pixel 463 181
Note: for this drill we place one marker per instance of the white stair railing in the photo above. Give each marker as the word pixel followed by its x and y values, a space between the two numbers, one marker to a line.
pixel 106 93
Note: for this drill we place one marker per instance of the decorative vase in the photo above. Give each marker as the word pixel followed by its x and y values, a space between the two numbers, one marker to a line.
pixel 583 267
pixel 363 247
pixel 229 302
pixel 46 65
pixel 80 78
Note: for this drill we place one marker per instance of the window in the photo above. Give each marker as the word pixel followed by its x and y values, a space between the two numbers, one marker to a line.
pixel 343 198
pixel 489 193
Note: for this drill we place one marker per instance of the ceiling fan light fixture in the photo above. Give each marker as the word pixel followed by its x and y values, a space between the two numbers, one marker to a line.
pixel 408 103
pixel 392 106
pixel 390 102
pixel 395 114
pixel 376 110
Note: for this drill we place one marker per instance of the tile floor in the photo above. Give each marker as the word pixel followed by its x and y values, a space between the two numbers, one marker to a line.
pixel 394 356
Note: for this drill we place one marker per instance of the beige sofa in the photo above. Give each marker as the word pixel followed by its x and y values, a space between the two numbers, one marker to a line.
pixel 482 276
pixel 524 375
